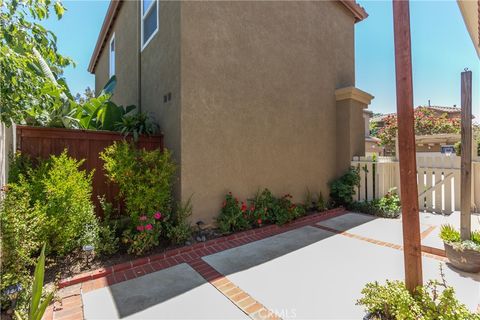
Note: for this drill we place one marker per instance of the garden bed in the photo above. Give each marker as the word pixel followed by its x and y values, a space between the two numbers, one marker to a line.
pixel 74 269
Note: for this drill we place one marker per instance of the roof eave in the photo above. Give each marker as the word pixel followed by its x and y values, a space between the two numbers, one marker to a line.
pixel 358 11
pixel 104 31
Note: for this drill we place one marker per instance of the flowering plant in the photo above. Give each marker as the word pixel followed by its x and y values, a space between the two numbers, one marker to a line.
pixel 233 216
pixel 146 233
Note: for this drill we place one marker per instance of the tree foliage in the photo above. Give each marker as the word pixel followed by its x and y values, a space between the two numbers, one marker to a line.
pixel 426 123
pixel 28 96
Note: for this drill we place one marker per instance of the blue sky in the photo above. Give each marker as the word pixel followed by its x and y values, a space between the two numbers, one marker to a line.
pixel 441 49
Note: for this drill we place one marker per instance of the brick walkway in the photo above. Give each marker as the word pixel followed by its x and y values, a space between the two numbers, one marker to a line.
pixel 70 304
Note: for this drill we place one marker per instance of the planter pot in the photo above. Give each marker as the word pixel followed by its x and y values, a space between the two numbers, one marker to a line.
pixel 467 260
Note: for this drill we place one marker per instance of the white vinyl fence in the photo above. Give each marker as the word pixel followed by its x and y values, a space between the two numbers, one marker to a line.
pixel 438 178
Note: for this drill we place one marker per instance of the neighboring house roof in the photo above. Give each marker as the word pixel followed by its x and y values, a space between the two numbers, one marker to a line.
pixel 358 12
pixel 444 109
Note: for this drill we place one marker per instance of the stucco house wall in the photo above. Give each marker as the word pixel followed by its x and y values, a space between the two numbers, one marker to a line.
pixel 253 87
pixel 258 97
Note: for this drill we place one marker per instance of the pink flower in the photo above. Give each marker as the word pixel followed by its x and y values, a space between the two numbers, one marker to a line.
pixel 157 215
pixel 139 228
pixel 143 218
pixel 149 227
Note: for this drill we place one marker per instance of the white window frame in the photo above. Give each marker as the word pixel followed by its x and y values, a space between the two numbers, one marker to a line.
pixel 111 62
pixel 142 18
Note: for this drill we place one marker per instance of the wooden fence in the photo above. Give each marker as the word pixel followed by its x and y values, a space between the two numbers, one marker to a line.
pixel 438 178
pixel 80 144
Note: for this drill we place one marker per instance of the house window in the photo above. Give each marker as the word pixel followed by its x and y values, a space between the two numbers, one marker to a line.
pixel 149 20
pixel 111 70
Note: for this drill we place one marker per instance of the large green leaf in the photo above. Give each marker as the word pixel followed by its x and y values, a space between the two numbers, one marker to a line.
pixel 109 115
pixel 37 284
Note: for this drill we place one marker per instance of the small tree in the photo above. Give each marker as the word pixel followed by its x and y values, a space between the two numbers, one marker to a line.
pixel 426 123
pixel 26 91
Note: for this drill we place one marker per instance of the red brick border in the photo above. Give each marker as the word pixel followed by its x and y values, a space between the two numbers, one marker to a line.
pixel 426 251
pixel 70 305
pixel 249 305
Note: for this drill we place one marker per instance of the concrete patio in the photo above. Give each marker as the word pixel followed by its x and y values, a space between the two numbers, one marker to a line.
pixel 311 272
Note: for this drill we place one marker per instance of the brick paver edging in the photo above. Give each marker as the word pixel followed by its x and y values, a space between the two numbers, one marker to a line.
pixel 249 305
pixel 426 251
pixel 172 257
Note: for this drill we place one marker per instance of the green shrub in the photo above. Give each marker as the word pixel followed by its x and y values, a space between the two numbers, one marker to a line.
pixel 389 205
pixel 45 203
pixel 342 189
pixel 386 207
pixel 231 217
pixel 433 301
pixel 263 208
pixel 179 229
pixel 145 181
pixel 108 230
pixel 145 178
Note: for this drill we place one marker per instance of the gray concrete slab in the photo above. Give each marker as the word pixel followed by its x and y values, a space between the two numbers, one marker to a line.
pixel 175 293
pixel 266 250
pixel 388 230
pixel 323 279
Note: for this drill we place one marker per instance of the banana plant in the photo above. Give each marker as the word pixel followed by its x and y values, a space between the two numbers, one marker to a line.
pixel 37 309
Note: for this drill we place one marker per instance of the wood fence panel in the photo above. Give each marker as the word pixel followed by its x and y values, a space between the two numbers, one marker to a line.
pixel 80 144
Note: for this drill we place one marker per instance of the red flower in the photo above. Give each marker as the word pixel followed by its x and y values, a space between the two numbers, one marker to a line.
pixel 259 221
pixel 244 207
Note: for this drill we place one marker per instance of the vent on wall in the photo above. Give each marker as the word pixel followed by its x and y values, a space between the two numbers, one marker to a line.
pixel 167 97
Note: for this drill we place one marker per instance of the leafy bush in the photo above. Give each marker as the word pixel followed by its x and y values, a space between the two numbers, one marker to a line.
pixel 452 236
pixel 179 229
pixel 231 217
pixel 342 189
pixel 136 124
pixel 386 207
pixel 433 301
pixel 264 208
pixel 145 178
pixel 108 229
pixel 145 181
pixel 47 203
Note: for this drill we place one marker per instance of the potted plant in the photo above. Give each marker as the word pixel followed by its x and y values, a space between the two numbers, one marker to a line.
pixel 463 254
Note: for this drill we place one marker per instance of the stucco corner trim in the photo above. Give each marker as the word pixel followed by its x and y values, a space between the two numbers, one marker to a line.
pixel 352 93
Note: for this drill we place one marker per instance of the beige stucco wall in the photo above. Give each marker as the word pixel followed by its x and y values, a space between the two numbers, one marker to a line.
pixel 161 75
pixel 126 56
pixel 258 102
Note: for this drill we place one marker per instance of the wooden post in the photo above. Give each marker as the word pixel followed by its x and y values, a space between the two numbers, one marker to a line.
pixel 466 156
pixel 406 146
